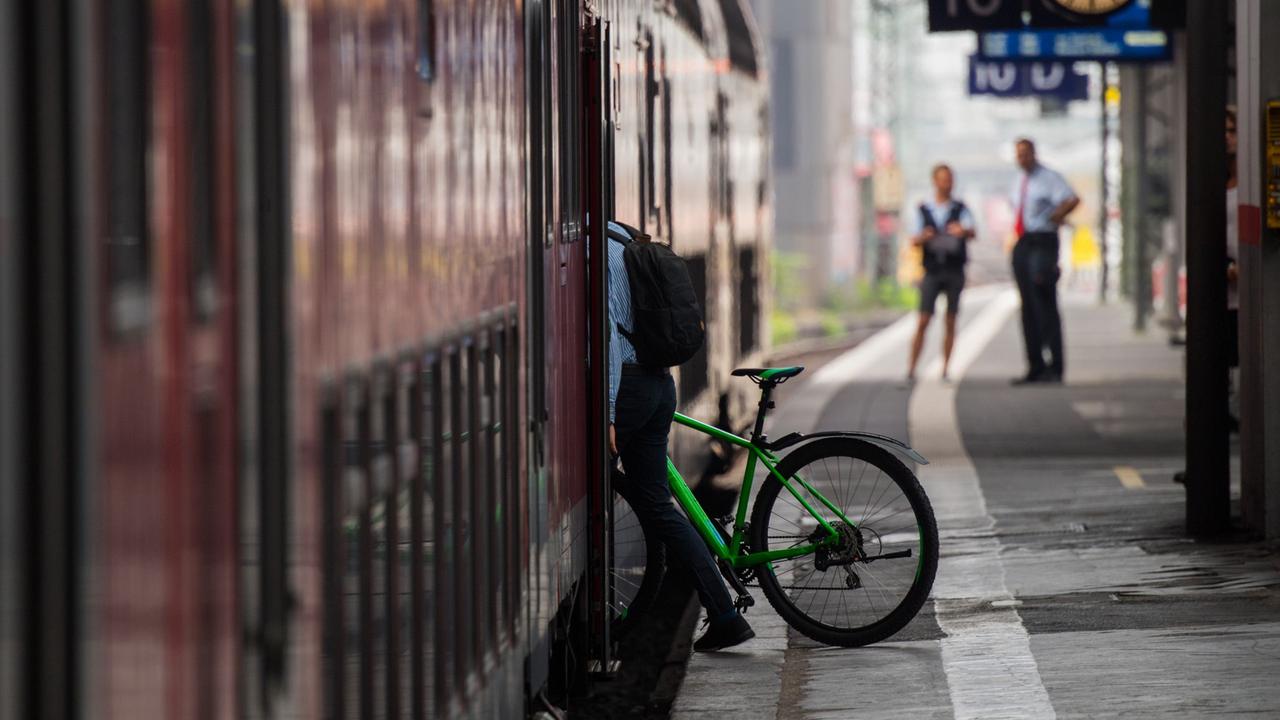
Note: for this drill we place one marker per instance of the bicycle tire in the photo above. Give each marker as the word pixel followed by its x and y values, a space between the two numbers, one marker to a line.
pixel 778 592
pixel 635 551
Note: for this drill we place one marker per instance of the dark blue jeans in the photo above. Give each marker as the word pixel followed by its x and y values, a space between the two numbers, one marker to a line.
pixel 642 422
pixel 1035 267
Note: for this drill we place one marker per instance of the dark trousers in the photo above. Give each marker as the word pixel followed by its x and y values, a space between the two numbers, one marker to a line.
pixel 642 422
pixel 1035 268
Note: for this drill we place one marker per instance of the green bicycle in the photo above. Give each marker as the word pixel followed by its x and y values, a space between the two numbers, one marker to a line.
pixel 841 539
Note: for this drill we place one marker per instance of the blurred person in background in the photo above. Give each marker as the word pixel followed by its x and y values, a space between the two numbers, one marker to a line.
pixel 1042 200
pixel 944 228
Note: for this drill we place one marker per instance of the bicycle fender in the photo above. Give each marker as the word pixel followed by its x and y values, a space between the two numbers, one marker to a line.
pixel 891 444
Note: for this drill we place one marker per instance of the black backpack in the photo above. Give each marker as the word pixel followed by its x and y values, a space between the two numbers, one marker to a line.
pixel 667 328
pixel 947 260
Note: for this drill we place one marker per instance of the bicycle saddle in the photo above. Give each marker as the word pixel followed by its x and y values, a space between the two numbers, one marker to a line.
pixel 776 375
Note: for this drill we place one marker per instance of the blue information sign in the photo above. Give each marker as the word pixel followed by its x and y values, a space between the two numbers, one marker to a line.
pixel 1005 78
pixel 1100 44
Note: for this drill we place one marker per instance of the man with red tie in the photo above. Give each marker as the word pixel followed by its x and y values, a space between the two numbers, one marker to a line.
pixel 1042 199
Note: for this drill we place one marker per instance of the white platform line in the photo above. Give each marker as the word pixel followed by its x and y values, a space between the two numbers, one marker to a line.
pixel 986 653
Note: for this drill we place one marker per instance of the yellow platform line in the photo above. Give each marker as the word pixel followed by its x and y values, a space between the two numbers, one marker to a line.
pixel 1129 477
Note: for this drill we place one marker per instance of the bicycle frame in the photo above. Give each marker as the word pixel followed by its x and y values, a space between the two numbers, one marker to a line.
pixel 732 552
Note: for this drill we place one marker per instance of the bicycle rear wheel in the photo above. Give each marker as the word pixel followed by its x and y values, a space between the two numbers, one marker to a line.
pixel 874 581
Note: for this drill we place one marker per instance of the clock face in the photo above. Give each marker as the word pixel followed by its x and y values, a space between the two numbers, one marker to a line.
pixel 1092 7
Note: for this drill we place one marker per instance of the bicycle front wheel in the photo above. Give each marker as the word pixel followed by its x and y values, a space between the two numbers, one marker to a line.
pixel 639 563
pixel 871 583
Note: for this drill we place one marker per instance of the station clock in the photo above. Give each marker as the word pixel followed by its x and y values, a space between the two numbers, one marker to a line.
pixel 1092 7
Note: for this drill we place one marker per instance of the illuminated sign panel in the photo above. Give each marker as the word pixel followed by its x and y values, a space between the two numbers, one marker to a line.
pixel 1006 78
pixel 987 15
pixel 1101 44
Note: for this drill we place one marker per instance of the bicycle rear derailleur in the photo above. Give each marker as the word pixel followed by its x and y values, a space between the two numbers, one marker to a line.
pixel 846 550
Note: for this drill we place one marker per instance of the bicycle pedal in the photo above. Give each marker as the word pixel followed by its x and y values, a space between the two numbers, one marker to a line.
pixel 743 602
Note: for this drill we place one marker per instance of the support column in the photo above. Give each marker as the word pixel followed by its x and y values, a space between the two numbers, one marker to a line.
pixel 1259 262
pixel 1208 508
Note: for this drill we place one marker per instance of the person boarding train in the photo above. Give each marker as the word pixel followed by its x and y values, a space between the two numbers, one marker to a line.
pixel 642 404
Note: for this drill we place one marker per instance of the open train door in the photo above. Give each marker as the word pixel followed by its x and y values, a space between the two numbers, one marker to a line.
pixel 598 181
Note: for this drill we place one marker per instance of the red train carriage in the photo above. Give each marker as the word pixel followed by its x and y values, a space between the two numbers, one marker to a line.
pixel 301 408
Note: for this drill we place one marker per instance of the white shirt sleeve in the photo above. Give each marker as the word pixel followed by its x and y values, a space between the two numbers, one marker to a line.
pixel 966 219
pixel 1059 190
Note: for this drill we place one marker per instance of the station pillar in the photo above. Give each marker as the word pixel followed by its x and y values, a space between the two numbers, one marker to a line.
pixel 1258 63
pixel 1208 448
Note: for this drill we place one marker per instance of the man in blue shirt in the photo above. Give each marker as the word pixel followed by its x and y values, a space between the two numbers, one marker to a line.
pixel 1042 199
pixel 943 229
pixel 642 403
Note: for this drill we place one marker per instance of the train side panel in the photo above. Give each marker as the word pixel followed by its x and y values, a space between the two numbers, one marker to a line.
pixel 406 290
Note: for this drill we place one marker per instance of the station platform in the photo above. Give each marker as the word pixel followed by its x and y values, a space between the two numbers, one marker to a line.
pixel 1067 586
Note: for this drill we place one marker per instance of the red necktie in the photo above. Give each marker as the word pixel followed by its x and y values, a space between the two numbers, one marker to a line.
pixel 1018 228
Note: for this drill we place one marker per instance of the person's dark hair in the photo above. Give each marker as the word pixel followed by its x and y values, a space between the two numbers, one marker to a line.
pixel 939 168
pixel 1026 141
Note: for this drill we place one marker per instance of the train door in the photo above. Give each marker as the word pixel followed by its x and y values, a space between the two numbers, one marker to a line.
pixel 540 238
pixel 597 128
pixel 558 282
pixel 42 355
pixel 263 398
pixel 567 290
pixel 10 554
pixel 207 506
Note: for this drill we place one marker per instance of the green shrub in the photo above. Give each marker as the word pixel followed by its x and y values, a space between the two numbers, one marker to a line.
pixel 782 327
pixel 832 324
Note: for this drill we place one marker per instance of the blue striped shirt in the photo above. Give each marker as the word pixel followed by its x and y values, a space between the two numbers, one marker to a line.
pixel 620 349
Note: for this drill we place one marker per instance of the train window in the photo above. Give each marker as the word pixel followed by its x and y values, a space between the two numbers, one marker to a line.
pixel 382 529
pixel 447 534
pixel 201 112
pixel 359 507
pixel 423 464
pixel 128 124
pixel 782 76
pixel 499 502
pixel 436 555
pixel 332 468
pixel 742 51
pixel 647 198
pixel 748 305
pixel 481 492
pixel 463 531
pixel 425 60
pixel 570 119
pixel 516 514
pixel 690 15
pixel 352 529
pixel 665 224
pixel 693 374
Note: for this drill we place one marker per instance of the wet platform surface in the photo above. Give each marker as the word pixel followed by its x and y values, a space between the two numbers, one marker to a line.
pixel 1067 586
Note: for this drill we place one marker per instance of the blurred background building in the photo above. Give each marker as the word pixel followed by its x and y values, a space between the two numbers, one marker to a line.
pixel 810 47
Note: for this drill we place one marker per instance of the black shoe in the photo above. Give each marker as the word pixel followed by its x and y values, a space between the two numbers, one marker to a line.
pixel 725 634
pixel 1051 378
pixel 1028 379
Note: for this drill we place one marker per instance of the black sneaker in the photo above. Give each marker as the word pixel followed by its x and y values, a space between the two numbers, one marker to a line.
pixel 725 634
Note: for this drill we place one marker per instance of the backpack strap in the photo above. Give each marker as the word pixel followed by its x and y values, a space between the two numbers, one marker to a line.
pixel 619 235
pixel 926 217
pixel 957 209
